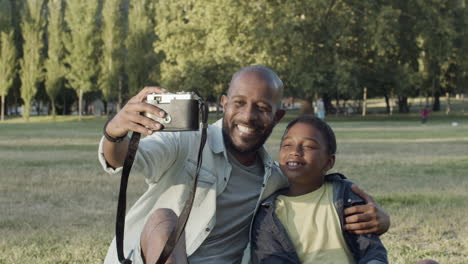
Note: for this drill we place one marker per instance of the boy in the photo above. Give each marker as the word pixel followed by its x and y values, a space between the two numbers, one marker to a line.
pixel 304 223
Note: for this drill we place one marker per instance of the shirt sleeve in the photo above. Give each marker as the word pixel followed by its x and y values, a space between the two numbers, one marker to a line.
pixel 156 153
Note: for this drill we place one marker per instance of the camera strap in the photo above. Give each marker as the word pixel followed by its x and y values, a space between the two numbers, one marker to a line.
pixel 185 213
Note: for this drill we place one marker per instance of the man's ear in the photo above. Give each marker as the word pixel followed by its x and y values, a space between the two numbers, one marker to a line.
pixel 279 115
pixel 224 100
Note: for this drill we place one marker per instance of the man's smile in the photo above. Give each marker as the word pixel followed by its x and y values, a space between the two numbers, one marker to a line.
pixel 246 130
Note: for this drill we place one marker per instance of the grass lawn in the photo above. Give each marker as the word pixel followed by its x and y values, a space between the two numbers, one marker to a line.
pixel 58 206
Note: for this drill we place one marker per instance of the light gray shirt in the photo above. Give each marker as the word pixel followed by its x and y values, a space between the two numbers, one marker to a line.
pixel 234 211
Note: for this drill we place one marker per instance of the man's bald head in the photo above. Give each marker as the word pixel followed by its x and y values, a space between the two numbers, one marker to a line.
pixel 263 73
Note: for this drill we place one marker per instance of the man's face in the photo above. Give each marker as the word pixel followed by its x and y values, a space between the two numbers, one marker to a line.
pixel 250 113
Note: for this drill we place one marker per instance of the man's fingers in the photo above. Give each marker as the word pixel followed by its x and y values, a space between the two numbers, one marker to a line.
pixel 145 121
pixel 140 107
pixel 360 229
pixel 362 194
pixel 359 209
pixel 358 218
pixel 141 129
pixel 141 96
pixel 359 226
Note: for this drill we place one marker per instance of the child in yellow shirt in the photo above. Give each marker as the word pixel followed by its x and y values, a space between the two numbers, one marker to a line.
pixel 304 223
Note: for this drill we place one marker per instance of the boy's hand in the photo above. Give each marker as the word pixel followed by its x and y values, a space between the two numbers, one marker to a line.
pixel 367 218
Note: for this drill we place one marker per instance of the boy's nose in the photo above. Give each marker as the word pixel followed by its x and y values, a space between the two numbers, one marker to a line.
pixel 297 151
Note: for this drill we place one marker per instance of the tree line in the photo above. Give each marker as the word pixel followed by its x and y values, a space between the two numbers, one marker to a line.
pixel 59 51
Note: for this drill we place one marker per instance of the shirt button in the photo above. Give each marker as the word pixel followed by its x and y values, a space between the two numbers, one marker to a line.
pixel 225 179
pixel 207 229
pixel 349 200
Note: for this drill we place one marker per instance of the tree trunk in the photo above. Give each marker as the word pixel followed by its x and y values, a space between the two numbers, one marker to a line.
pixel 26 110
pixel 80 102
pixel 328 104
pixel 436 105
pixel 403 104
pixel 387 104
pixel 391 102
pixel 463 102
pixel 447 98
pixel 3 107
pixel 119 100
pixel 364 102
pixel 52 102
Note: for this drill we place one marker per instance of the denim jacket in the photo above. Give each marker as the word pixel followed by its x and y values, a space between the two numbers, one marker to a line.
pixel 271 244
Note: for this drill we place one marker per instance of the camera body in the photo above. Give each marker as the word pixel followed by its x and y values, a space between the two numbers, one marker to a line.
pixel 182 110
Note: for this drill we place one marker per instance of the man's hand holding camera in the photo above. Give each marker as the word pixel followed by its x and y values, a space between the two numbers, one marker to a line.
pixel 129 118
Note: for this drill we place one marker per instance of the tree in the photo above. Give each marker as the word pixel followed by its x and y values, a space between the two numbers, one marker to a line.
pixel 142 63
pixel 7 52
pixel 54 65
pixel 80 42
pixel 114 32
pixel 7 66
pixel 32 28
pixel 436 40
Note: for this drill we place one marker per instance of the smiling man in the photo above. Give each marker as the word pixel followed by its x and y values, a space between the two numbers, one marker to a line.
pixel 237 173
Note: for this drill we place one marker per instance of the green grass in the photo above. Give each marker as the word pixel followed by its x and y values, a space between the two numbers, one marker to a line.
pixel 58 206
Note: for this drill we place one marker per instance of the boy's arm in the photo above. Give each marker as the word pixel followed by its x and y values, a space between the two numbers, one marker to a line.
pixel 368 218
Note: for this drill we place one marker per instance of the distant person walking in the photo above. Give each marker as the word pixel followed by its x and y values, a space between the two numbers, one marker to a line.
pixel 320 109
pixel 424 115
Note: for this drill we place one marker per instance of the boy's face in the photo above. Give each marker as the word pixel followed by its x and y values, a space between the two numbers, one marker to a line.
pixel 304 158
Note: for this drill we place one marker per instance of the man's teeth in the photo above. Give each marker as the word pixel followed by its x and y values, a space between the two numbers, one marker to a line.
pixel 245 129
pixel 293 163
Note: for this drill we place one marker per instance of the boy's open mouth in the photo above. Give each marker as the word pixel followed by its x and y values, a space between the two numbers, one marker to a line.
pixel 294 164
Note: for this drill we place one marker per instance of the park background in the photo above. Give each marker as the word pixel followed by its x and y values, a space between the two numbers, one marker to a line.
pixel 376 64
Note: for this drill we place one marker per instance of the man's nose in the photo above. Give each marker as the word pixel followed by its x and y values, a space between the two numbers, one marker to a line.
pixel 250 113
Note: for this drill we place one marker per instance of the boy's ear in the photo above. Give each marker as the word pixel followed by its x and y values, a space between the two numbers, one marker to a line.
pixel 331 163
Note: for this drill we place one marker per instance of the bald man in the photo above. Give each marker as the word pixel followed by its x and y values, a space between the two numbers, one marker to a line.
pixel 237 173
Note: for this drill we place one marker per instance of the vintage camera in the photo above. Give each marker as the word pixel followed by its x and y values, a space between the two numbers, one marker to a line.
pixel 182 110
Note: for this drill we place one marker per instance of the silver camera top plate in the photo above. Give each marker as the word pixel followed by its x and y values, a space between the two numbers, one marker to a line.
pixel 167 98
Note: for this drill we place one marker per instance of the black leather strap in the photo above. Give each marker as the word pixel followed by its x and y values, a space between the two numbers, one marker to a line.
pixel 122 203
pixel 182 220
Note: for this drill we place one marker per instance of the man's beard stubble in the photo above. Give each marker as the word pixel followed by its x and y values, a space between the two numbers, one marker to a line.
pixel 229 144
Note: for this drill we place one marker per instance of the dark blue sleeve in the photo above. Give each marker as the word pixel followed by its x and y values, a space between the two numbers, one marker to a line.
pixel 368 248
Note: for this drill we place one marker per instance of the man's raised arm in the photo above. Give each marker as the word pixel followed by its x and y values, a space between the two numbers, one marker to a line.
pixel 129 118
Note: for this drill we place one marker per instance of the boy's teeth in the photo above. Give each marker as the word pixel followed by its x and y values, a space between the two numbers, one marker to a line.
pixel 245 129
pixel 293 163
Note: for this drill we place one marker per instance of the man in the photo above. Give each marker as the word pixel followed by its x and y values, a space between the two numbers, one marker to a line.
pixel 236 175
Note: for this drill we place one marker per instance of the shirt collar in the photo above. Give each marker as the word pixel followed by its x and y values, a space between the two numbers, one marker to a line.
pixel 216 143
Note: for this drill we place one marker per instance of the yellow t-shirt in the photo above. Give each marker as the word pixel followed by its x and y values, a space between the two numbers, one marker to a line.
pixel 312 223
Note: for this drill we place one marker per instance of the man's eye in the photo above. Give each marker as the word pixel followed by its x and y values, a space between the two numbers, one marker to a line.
pixel 238 103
